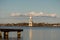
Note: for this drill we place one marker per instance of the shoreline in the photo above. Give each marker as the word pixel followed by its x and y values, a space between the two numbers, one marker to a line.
pixel 34 24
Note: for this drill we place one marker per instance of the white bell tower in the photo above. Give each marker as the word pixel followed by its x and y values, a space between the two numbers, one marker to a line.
pixel 30 21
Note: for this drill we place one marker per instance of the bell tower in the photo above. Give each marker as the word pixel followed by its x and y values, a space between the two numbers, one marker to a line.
pixel 30 21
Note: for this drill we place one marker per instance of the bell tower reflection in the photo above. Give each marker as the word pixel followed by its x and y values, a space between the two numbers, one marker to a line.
pixel 30 34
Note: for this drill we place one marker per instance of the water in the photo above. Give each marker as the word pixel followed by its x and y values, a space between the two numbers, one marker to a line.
pixel 35 33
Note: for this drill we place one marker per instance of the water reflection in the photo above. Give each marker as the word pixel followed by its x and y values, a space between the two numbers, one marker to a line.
pixel 36 33
pixel 30 34
pixel 11 39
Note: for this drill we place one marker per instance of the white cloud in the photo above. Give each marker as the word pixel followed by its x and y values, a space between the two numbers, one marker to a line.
pixel 42 14
pixel 15 14
pixel 53 15
pixel 33 14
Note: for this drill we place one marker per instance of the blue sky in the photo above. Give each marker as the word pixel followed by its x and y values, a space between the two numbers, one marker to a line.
pixel 24 6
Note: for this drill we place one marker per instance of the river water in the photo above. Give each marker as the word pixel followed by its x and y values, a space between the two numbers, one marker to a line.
pixel 34 33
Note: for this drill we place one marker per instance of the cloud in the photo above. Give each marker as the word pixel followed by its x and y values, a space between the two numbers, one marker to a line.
pixel 34 14
pixel 53 15
pixel 15 14
pixel 42 14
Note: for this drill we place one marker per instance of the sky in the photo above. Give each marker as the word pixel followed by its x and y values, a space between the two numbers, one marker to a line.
pixel 9 8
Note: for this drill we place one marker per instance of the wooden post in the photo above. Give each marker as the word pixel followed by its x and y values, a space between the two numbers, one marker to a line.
pixel 18 38
pixel 19 34
pixel 0 34
pixel 6 35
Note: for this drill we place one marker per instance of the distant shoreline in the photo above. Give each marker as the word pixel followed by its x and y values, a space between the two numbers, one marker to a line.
pixel 34 24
